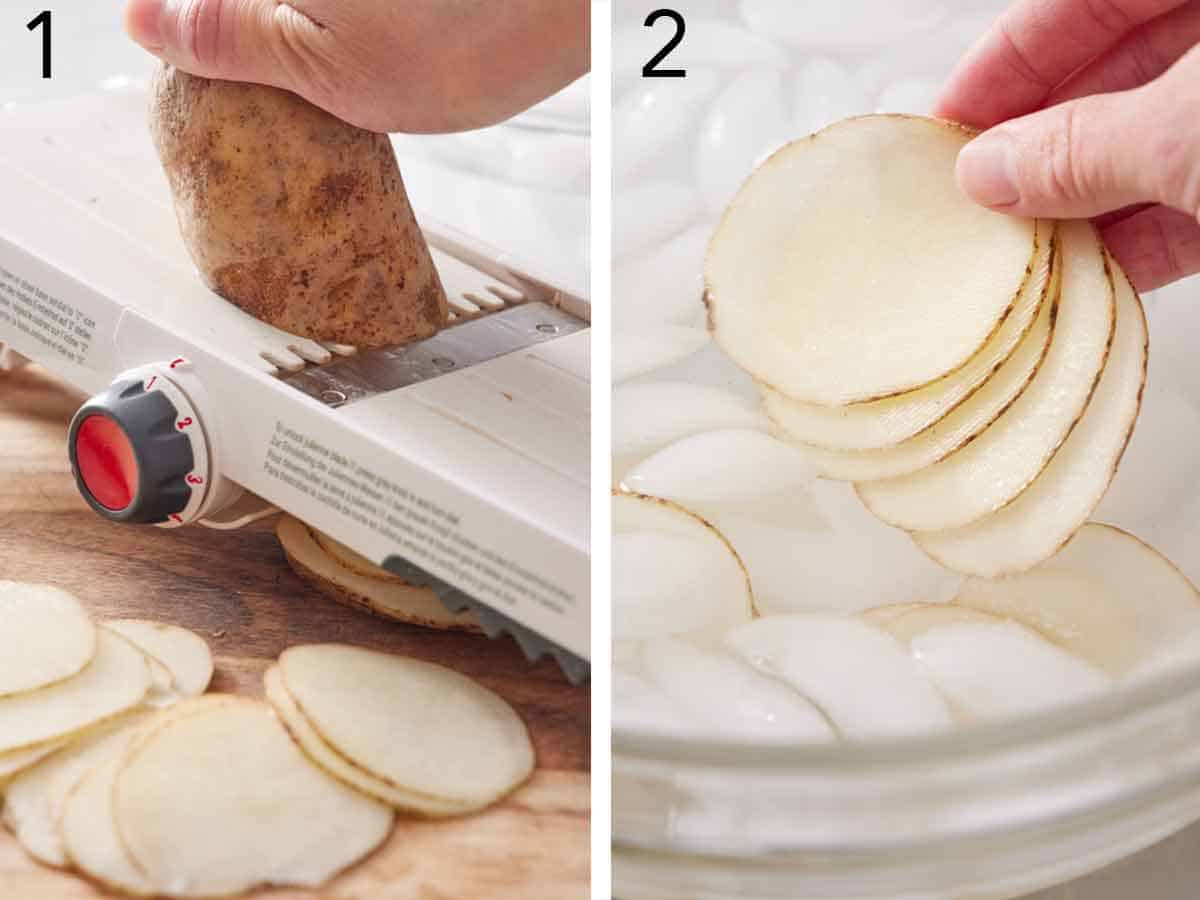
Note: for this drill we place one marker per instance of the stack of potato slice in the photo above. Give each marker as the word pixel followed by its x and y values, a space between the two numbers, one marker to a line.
pixel 348 577
pixel 977 375
pixel 114 761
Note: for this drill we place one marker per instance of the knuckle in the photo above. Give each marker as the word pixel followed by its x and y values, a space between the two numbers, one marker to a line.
pixel 1067 175
pixel 201 24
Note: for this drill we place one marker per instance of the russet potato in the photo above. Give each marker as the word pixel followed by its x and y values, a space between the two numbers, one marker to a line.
pixel 297 217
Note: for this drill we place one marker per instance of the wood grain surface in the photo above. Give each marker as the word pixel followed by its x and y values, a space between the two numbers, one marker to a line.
pixel 236 590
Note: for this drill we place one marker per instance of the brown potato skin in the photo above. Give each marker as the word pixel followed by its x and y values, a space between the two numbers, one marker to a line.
pixel 293 215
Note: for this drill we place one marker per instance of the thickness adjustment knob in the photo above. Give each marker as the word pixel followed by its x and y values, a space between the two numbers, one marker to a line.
pixel 137 451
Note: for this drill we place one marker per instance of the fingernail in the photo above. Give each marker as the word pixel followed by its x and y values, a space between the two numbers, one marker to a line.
pixel 143 21
pixel 987 170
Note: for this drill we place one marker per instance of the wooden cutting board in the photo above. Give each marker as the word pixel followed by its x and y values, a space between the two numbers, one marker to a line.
pixel 236 589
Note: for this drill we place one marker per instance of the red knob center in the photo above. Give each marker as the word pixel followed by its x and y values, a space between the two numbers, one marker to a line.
pixel 106 462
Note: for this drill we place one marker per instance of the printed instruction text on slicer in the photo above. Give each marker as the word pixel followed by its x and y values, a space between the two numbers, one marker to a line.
pixel 409 475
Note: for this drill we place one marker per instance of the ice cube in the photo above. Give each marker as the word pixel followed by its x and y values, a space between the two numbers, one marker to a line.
pixel 992 671
pixel 649 213
pixel 730 697
pixel 721 467
pixel 909 95
pixel 848 24
pixel 648 417
pixel 746 123
pixel 638 352
pixel 858 675
pixel 670 583
pixel 654 116
pixel 637 705
pixel 825 93
pixel 665 284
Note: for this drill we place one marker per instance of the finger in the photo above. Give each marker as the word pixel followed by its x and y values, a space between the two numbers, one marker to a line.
pixel 1033 47
pixel 1139 57
pixel 1155 247
pixel 260 41
pixel 1090 156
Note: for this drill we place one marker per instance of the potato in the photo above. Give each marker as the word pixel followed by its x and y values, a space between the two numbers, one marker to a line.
pixel 293 215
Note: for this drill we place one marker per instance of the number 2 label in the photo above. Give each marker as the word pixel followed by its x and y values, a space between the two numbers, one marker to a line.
pixel 650 69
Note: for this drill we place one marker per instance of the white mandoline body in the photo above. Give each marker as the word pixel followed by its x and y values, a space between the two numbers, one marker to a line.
pixel 486 467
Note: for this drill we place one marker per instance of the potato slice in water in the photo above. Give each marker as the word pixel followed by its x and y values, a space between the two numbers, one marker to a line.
pixel 400 601
pixel 116 679
pixel 184 654
pixel 45 636
pixel 912 620
pixel 888 422
pixel 673 572
pixel 34 801
pixel 958 428
pixel 221 800
pixel 862 678
pixel 413 724
pixel 939 278
pixel 1045 515
pixel 1004 459
pixel 1105 597
pixel 321 753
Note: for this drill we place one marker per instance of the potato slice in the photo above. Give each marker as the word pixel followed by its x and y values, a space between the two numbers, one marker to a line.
pixel 221 800
pixel 933 275
pixel 183 653
pixel 958 428
pixel 116 680
pixel 912 620
pixel 400 601
pixel 1045 515
pixel 410 723
pixel 353 560
pixel 673 572
pixel 14 761
pixel 1005 458
pixel 35 799
pixel 89 833
pixel 321 753
pixel 888 422
pixel 1105 597
pixel 45 636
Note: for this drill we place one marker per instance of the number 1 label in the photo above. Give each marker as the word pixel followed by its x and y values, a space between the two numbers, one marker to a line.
pixel 42 20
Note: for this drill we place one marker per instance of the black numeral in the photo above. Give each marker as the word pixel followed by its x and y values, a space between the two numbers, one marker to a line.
pixel 650 69
pixel 42 20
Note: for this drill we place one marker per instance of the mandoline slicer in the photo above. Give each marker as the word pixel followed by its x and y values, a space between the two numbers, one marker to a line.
pixel 460 462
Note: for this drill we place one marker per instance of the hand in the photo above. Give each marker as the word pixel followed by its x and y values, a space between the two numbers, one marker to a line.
pixel 1093 108
pixel 384 65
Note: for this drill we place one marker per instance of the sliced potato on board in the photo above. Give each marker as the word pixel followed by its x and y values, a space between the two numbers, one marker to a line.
pixel 958 428
pixel 185 655
pixel 1045 515
pixel 46 636
pixel 1106 597
pixel 673 571
pixel 892 420
pixel 410 723
pixel 35 799
pixel 353 560
pixel 89 833
pixel 1004 459
pixel 784 305
pixel 400 601
pixel 340 767
pixel 221 800
pixel 116 680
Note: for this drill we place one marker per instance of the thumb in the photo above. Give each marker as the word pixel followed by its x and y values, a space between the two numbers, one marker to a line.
pixel 237 40
pixel 1074 160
